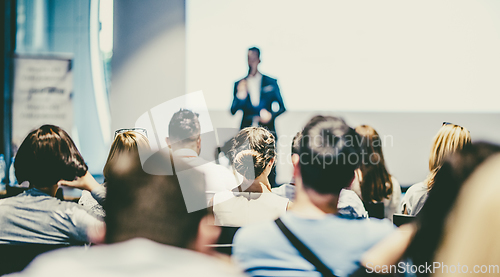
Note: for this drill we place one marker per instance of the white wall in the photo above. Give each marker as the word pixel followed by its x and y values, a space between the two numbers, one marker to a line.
pixel 149 68
pixel 419 56
pixel 148 64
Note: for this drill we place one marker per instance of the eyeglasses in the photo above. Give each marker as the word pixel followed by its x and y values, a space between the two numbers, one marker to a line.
pixel 449 123
pixel 141 131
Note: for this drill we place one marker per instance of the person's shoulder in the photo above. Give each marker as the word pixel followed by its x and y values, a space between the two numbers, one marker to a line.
pixel 276 196
pixel 219 168
pixel 63 259
pixel 395 182
pixel 396 188
pixel 269 79
pixel 239 80
pixel 114 258
pixel 45 202
pixel 219 174
pixel 207 167
pixel 68 204
pixel 86 197
pixel 349 198
pixel 280 191
pixel 383 224
pixel 416 189
pixel 377 229
pixel 370 225
pixel 253 235
pixel 348 193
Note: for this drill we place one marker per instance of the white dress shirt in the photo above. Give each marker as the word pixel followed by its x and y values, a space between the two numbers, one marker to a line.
pixel 217 177
pixel 243 208
pixel 254 84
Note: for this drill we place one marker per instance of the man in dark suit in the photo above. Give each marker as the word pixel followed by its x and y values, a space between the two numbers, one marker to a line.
pixel 258 96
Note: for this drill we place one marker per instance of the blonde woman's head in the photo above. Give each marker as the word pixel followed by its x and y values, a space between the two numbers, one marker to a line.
pixel 450 138
pixel 129 143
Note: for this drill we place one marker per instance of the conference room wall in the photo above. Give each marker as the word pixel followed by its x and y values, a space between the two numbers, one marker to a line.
pixel 148 64
pixel 407 137
pixel 149 68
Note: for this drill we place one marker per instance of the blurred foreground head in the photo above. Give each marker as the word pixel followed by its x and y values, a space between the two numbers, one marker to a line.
pixel 470 235
pixel 448 183
pixel 152 206
pixel 329 154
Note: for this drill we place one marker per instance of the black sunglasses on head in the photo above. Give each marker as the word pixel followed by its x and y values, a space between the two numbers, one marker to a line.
pixel 449 123
pixel 137 130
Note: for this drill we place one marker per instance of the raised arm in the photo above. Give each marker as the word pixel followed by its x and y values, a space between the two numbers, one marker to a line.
pixel 87 182
pixel 279 99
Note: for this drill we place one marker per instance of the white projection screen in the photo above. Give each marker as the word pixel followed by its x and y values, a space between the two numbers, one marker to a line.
pixel 423 56
pixel 403 67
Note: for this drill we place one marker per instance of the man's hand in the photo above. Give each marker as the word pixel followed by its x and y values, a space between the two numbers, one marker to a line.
pixel 265 116
pixel 86 182
pixel 241 90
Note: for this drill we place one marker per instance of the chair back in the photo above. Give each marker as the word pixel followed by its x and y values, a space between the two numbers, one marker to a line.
pixel 400 219
pixel 225 243
pixel 15 257
pixel 375 210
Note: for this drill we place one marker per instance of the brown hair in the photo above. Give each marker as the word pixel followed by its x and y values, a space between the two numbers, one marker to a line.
pixel 184 127
pixel 376 184
pixel 48 155
pixel 126 142
pixel 152 206
pixel 253 149
pixel 325 148
pixel 449 139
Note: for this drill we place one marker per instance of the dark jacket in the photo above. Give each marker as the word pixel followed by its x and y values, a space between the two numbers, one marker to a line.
pixel 269 93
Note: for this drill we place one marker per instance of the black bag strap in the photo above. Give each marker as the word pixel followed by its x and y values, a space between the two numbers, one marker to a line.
pixel 305 251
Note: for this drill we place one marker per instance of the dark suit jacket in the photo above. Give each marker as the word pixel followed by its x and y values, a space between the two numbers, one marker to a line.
pixel 269 93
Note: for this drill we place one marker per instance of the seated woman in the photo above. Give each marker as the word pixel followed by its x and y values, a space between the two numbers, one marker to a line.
pixel 252 201
pixel 125 142
pixel 449 139
pixel 374 184
pixel 47 157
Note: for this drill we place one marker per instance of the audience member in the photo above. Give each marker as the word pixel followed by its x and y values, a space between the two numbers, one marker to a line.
pixel 417 242
pixel 288 190
pixel 128 141
pixel 151 228
pixel 185 140
pixel 374 183
pixel 471 243
pixel 252 201
pixel 148 231
pixel 322 170
pixel 46 156
pixel 350 205
pixel 449 139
